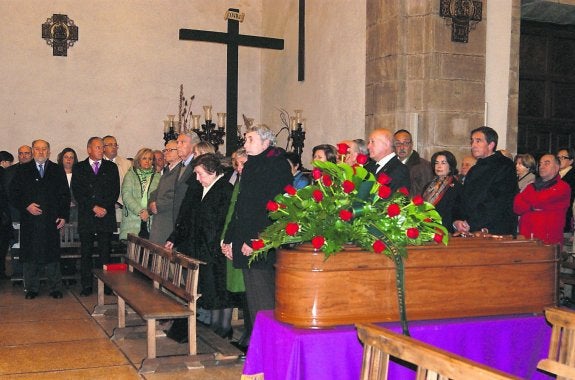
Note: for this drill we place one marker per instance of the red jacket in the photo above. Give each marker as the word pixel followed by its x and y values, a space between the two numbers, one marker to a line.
pixel 542 213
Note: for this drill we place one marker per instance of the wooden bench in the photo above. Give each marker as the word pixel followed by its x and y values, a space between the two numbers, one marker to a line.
pixel 432 363
pixel 159 284
pixel 561 359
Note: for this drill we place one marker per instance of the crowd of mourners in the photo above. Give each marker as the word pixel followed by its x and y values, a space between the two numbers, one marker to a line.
pixel 189 198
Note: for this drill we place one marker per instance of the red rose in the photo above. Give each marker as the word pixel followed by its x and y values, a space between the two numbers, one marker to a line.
pixel 290 190
pixel 317 241
pixel 257 244
pixel 361 159
pixel 412 233
pixel 384 191
pixel 272 206
pixel 316 173
pixel 427 220
pixel 378 246
pixel 404 191
pixel 438 238
pixel 348 186
pixel 393 210
pixel 342 148
pixel 317 195
pixel 292 228
pixel 383 179
pixel 345 215
pixel 417 200
pixel 326 179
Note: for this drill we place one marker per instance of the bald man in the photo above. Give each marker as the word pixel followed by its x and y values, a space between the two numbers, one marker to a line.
pixel 382 152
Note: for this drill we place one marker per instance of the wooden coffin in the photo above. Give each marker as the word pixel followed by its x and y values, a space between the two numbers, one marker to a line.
pixel 469 277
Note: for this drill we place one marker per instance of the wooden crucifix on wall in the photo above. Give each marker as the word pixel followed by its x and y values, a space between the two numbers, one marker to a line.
pixel 233 40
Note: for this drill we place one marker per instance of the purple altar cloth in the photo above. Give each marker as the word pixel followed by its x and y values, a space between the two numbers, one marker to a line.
pixel 513 344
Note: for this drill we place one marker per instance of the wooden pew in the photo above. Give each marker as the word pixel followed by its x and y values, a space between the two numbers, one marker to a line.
pixel 159 284
pixel 432 363
pixel 561 359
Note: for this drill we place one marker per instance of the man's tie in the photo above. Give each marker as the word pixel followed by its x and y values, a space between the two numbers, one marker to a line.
pixel 41 170
pixel 96 167
pixel 182 170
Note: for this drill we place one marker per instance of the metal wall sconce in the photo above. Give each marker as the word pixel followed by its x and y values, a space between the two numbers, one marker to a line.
pixel 463 15
pixel 60 32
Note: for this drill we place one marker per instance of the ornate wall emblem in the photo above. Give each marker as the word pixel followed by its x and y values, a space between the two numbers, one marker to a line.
pixel 60 32
pixel 463 15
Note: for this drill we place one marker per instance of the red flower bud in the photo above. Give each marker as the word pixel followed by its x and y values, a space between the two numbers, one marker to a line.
pixel 384 192
pixel 361 159
pixel 317 195
pixel 403 190
pixel 272 206
pixel 417 200
pixel 317 241
pixel 292 228
pixel 412 233
pixel 438 238
pixel 257 244
pixel 326 179
pixel 393 210
pixel 348 186
pixel 290 190
pixel 316 173
pixel 378 246
pixel 427 220
pixel 345 215
pixel 342 148
pixel 383 179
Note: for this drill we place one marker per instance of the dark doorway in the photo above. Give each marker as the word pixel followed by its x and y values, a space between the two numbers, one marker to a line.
pixel 546 88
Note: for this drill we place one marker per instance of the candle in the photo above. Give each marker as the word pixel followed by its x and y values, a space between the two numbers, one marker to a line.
pixel 293 123
pixel 221 120
pixel 208 112
pixel 485 115
pixel 303 124
pixel 196 121
pixel 166 126
pixel 298 115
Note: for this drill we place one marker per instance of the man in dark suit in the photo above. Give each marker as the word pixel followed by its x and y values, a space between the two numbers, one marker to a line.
pixel 40 192
pixel 185 146
pixel 420 170
pixel 381 151
pixel 96 186
pixel 24 156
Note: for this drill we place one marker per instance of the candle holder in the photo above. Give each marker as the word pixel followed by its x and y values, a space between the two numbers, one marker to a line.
pixel 297 136
pixel 170 129
pixel 210 133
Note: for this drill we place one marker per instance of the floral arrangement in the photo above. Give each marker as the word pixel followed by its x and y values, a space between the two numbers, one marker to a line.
pixel 346 204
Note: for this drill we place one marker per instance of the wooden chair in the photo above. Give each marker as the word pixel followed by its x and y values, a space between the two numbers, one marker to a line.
pixel 561 359
pixel 432 362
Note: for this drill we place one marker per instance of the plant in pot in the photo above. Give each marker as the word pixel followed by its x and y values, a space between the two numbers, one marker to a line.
pixel 348 205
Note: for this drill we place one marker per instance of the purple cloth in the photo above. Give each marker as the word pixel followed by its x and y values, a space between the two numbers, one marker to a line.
pixel 513 344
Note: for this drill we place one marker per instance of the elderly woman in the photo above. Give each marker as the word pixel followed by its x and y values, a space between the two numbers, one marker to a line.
pixel 198 230
pixel 444 189
pixel 67 158
pixel 324 152
pixel 138 183
pixel 525 167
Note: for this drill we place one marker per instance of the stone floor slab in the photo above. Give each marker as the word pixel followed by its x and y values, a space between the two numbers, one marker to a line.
pixel 49 331
pixel 124 372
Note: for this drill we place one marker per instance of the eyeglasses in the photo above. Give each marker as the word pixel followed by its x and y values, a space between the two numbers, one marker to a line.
pixel 112 145
pixel 169 150
pixel 398 144
pixel 24 153
pixel 564 158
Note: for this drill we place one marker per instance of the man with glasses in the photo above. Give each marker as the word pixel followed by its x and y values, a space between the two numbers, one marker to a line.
pixel 111 154
pixel 420 170
pixel 161 202
pixel 565 156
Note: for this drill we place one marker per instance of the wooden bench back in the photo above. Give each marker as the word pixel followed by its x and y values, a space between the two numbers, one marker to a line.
pixel 69 236
pixel 561 360
pixel 432 362
pixel 169 269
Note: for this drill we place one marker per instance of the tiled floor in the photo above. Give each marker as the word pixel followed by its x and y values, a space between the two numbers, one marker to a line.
pixel 47 338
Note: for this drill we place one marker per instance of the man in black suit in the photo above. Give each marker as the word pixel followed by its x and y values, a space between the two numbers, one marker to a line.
pixel 40 192
pixel 96 186
pixel 185 145
pixel 381 151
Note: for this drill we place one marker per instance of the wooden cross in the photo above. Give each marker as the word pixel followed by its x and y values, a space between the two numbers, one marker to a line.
pixel 233 40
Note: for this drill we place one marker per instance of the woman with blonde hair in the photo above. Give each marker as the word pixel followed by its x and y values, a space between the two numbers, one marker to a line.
pixel 138 183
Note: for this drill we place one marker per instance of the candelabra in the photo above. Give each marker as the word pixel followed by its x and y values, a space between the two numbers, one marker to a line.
pixel 209 132
pixel 170 132
pixel 297 133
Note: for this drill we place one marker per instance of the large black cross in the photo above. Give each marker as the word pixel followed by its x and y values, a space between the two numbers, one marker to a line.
pixel 233 39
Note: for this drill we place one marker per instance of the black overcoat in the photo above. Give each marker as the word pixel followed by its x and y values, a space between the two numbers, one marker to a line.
pixel 39 237
pixel 96 190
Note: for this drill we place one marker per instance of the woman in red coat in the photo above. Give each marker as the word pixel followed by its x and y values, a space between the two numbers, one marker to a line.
pixel 543 203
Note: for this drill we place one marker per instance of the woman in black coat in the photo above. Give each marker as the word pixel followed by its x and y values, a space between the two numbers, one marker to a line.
pixel 198 230
pixel 444 190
